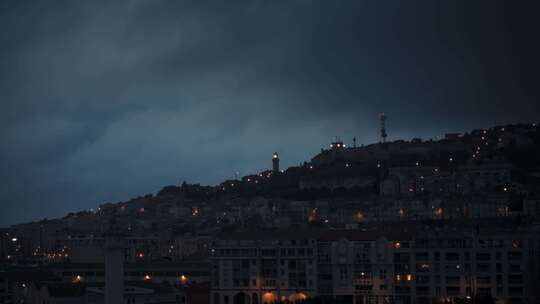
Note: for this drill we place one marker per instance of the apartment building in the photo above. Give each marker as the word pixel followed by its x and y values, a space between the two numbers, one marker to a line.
pixel 264 267
pixel 394 264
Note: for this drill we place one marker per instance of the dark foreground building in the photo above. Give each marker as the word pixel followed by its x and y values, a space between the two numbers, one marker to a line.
pixel 394 264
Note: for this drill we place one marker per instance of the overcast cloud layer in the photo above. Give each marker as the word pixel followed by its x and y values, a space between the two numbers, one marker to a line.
pixel 106 100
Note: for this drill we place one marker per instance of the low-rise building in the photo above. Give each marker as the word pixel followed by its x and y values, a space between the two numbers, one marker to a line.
pixel 56 293
pixel 141 292
pixel 171 272
pixel 531 206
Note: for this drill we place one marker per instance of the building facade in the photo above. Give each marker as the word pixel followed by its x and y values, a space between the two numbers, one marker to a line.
pixel 254 268
pixel 389 265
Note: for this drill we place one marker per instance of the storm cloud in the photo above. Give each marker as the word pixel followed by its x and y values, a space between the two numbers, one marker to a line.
pixel 102 101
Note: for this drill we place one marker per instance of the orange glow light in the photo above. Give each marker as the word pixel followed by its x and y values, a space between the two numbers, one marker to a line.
pixel 297 297
pixel 77 279
pixel 268 297
pixel 183 279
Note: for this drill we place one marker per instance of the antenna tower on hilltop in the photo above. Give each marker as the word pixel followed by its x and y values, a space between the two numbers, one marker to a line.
pixel 383 127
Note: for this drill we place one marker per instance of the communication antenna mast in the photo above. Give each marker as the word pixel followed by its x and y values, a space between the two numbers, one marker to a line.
pixel 383 127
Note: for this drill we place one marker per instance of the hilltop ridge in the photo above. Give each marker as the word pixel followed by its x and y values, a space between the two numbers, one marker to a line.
pixel 363 171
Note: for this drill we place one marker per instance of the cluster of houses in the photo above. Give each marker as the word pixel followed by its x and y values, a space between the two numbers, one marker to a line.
pixel 398 222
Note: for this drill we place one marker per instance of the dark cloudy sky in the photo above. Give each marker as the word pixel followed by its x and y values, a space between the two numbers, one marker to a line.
pixel 106 100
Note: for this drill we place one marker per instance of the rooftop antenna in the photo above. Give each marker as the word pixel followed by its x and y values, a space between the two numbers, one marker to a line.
pixel 354 142
pixel 382 117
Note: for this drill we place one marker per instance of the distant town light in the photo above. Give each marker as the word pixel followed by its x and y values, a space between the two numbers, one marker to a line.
pixel 409 277
pixel 147 277
pixel 14 239
pixel 397 245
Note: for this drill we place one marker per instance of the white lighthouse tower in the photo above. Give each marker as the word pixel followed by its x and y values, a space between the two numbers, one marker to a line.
pixel 275 163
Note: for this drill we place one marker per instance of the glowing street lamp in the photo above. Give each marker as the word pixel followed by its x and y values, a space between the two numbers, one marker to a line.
pixel 77 279
pixel 183 279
